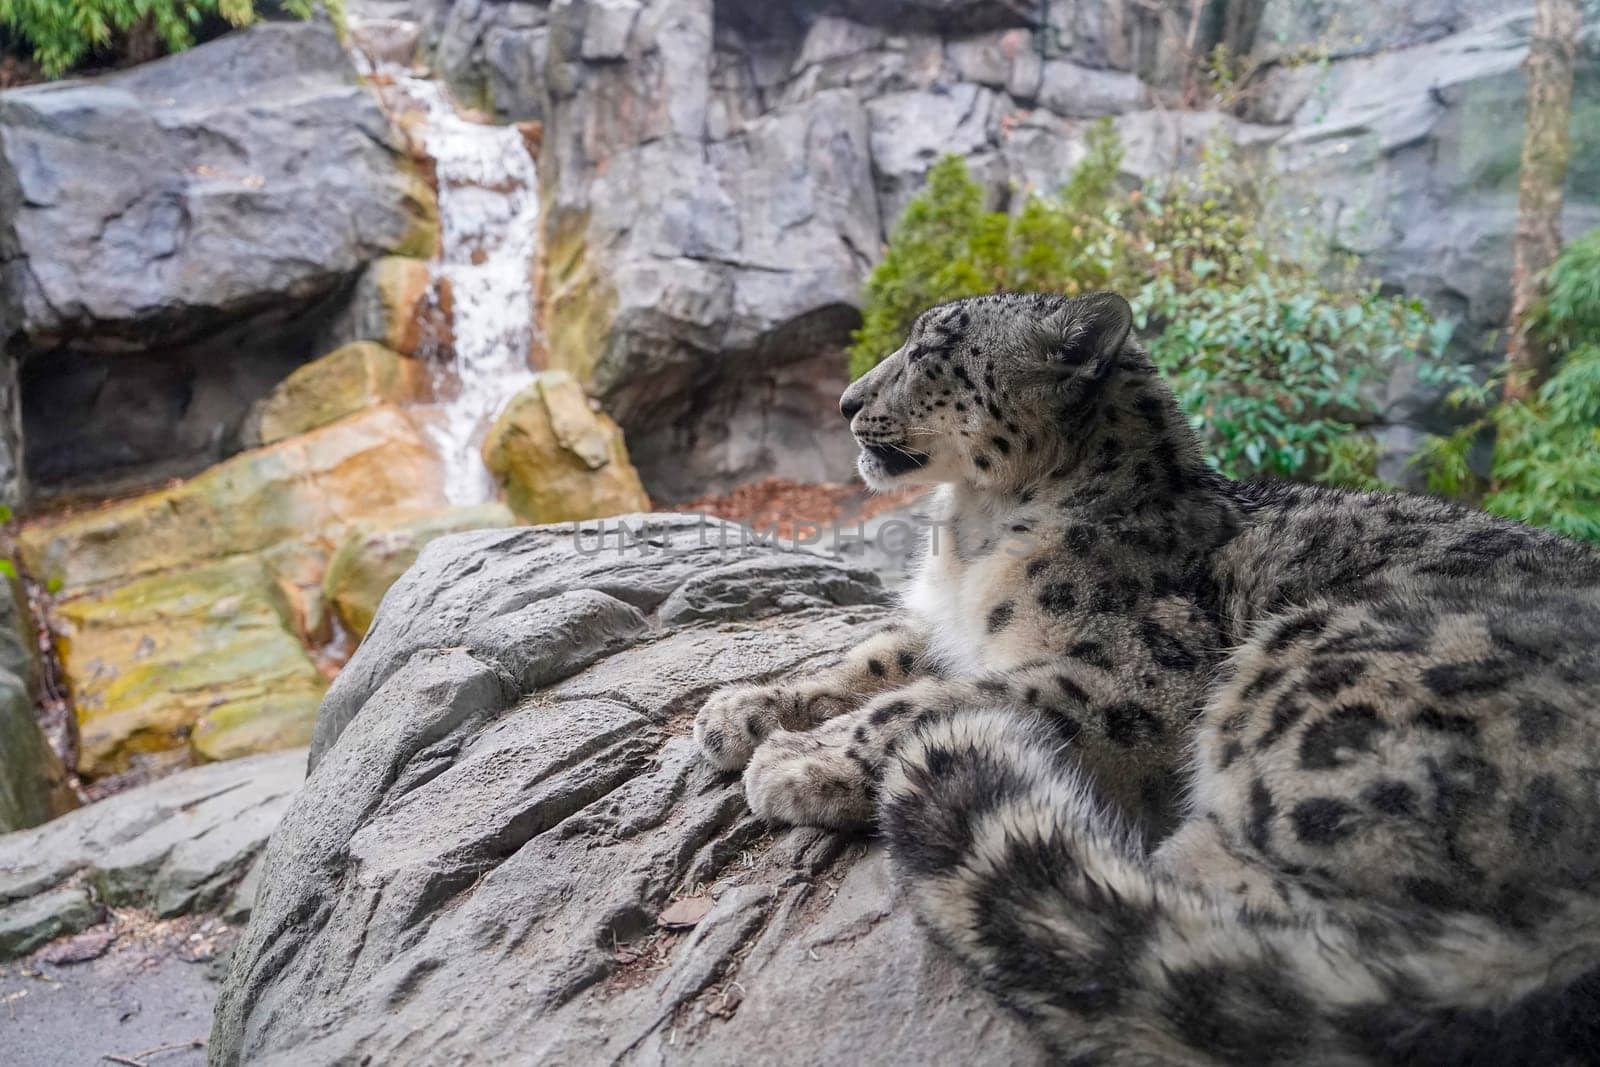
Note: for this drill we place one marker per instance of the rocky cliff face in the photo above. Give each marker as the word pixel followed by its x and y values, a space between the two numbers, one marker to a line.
pixel 719 177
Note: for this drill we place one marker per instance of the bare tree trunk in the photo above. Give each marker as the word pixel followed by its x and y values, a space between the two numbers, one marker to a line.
pixel 1546 147
pixel 144 43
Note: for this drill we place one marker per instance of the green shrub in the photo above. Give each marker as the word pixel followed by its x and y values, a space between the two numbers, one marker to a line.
pixel 1547 452
pixel 1569 313
pixel 1353 464
pixel 947 245
pixel 62 33
pixel 1276 358
pixel 1545 467
pixel 940 250
pixel 1275 370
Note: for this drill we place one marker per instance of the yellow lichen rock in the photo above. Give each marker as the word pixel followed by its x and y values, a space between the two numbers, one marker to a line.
pixel 203 656
pixel 559 460
pixel 307 488
pixel 352 378
pixel 377 553
pixel 395 303
pixel 186 615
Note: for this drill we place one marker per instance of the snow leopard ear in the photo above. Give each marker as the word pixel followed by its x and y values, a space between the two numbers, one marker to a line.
pixel 1084 335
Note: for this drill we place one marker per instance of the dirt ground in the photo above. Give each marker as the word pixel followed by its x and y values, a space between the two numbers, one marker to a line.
pixel 134 991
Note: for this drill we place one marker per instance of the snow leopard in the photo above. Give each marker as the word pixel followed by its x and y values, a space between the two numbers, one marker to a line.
pixel 1194 770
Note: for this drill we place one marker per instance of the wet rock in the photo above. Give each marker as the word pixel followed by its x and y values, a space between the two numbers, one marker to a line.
pixel 539 858
pixel 383 40
pixel 393 303
pixel 350 379
pixel 375 554
pixel 252 171
pixel 492 52
pixel 557 459
pixel 171 847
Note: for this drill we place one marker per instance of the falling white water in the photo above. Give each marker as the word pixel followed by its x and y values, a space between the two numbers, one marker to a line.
pixel 488 215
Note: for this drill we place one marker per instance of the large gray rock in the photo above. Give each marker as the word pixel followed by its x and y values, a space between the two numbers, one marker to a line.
pixel 687 235
pixel 505 799
pixel 173 238
pixel 178 845
pixel 491 51
pixel 33 781
pixel 1004 59
pixel 1411 158
pixel 1113 34
pixel 912 131
pixel 1340 28
pixel 251 171
pixel 1083 92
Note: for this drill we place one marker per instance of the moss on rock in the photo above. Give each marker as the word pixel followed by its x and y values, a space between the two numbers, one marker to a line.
pixel 307 488
pixel 186 616
pixel 577 305
pixel 202 656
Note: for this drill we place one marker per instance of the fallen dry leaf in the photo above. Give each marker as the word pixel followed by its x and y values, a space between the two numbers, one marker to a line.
pixel 80 948
pixel 685 912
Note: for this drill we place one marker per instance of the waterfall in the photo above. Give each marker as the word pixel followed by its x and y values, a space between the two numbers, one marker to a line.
pixel 488 216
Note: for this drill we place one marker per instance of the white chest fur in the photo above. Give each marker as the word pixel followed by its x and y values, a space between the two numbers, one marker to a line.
pixel 939 599
pixel 951 592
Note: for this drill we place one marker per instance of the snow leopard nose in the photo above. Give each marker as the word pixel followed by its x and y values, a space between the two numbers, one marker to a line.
pixel 850 403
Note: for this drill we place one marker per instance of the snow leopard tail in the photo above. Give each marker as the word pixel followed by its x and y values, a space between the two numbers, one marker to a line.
pixel 1009 862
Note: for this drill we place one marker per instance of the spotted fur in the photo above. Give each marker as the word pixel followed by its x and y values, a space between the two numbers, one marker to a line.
pixel 1199 771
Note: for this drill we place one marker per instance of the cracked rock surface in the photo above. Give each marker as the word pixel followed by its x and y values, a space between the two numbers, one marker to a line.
pixel 509 850
pixel 183 844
